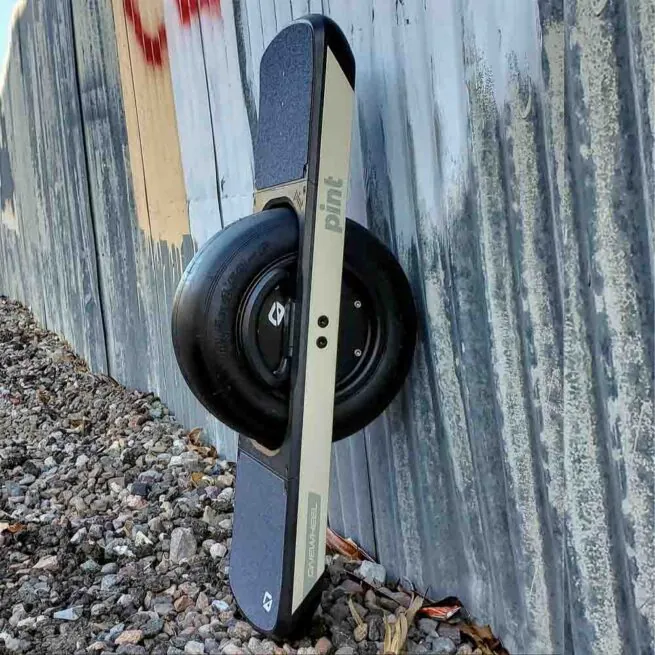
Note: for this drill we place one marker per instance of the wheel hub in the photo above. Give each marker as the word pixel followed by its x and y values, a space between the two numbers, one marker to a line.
pixel 266 317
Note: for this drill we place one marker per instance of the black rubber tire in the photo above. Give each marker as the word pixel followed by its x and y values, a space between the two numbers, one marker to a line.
pixel 205 318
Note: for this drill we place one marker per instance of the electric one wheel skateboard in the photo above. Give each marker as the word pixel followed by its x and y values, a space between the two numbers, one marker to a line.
pixel 294 326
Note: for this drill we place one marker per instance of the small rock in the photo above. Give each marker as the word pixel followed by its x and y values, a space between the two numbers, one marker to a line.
pixel 268 647
pixel 115 631
pixel 194 648
pixel 182 603
pixel 81 461
pixel 345 650
pixel 376 628
pixel 131 649
pixel 78 537
pixel 220 606
pixel 117 485
pixel 70 614
pixel 339 611
pixel 155 525
pixel 129 637
pixel 18 613
pixel 374 574
pixel 163 605
pixel 28 623
pixel 135 502
pixel 140 539
pixel 218 551
pixel 225 524
pixel 323 646
pixel 465 649
pixel 232 649
pixel 225 480
pixel 428 626
pixel 110 567
pixel 210 517
pixel 108 582
pixel 50 563
pixel 183 545
pixel 226 495
pixel 150 476
pixel 78 504
pixel 189 460
pixel 11 644
pixel 240 630
pixel 140 489
pixel 96 647
pixel 98 609
pixel 442 646
pixel 202 602
pixel 152 628
pixel 451 632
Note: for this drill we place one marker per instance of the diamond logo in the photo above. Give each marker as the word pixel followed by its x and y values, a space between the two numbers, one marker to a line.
pixel 268 601
pixel 276 314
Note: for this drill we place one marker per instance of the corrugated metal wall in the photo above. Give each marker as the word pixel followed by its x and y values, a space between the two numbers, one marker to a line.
pixel 504 150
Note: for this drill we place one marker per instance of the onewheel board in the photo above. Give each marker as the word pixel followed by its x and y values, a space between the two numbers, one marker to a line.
pixel 294 326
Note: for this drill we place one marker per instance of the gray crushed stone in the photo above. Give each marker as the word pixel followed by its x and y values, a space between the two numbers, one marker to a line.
pixel 115 532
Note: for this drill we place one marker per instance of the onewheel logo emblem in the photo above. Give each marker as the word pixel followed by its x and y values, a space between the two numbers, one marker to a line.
pixel 268 601
pixel 276 315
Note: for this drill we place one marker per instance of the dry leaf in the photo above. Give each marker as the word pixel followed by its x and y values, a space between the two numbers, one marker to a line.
pixel 196 444
pixel 484 638
pixel 397 627
pixel 355 614
pixel 197 477
pixel 194 437
pixel 345 547
pixel 414 608
pixel 440 613
pixel 360 632
pixel 12 528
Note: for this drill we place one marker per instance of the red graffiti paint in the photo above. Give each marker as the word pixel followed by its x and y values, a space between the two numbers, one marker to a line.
pixel 190 8
pixel 154 45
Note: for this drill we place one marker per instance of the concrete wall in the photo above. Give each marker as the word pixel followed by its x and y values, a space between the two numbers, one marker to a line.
pixel 504 150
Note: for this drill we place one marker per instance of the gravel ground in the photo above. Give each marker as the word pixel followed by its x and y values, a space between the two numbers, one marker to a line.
pixel 115 526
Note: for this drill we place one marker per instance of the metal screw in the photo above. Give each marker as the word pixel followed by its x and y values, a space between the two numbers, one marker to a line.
pixel 358 353
pixel 358 304
pixel 321 342
pixel 323 321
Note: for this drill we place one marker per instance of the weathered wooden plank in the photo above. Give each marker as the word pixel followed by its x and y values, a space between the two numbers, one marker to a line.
pixel 231 129
pixel 69 279
pixel 191 53
pixel 165 242
pixel 112 200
